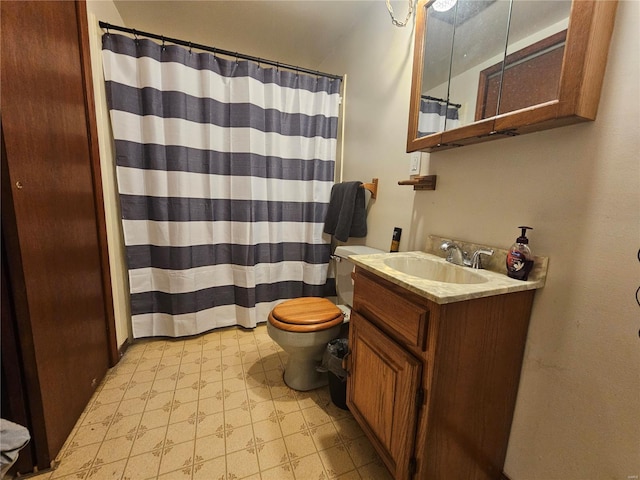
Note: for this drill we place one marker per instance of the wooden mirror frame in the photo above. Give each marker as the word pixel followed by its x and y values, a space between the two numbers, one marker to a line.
pixel 587 46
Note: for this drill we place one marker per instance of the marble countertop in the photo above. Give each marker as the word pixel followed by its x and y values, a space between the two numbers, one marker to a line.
pixel 495 283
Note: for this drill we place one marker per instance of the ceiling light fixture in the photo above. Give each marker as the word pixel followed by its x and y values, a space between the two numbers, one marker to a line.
pixel 443 5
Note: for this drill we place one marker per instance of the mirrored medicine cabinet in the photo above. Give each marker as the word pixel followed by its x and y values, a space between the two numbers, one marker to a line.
pixel 489 69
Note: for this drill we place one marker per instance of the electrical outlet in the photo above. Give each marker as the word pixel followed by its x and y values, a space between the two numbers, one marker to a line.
pixel 414 163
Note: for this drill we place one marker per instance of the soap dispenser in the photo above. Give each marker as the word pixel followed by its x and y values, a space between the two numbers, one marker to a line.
pixel 519 258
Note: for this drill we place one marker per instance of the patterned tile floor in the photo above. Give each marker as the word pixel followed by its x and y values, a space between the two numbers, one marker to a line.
pixel 212 407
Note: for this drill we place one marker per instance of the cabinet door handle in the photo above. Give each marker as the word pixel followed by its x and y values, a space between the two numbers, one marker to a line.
pixel 346 364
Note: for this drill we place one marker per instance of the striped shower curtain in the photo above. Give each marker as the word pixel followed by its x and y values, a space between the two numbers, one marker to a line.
pixel 436 117
pixel 224 172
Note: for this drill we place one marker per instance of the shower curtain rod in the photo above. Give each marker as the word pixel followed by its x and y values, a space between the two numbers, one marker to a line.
pixel 206 48
pixel 441 100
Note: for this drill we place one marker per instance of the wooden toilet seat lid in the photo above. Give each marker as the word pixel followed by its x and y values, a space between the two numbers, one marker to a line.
pixel 306 314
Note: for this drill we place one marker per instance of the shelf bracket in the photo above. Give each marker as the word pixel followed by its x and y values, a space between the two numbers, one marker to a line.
pixel 372 187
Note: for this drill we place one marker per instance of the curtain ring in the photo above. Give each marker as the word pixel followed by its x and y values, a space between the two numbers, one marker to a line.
pixel 108 33
pixel 135 36
pixel 236 58
pixel 190 48
pixel 163 45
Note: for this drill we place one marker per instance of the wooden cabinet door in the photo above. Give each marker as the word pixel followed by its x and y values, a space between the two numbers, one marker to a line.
pixel 49 216
pixel 382 391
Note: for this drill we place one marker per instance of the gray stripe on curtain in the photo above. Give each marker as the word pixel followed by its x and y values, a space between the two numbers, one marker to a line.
pixel 206 110
pixel 441 109
pixel 201 209
pixel 222 204
pixel 185 159
pixel 181 258
pixel 181 303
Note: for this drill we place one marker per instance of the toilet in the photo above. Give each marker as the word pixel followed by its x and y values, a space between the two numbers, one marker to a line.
pixel 304 326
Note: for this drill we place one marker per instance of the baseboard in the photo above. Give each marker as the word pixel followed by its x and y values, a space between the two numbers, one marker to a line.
pixel 123 348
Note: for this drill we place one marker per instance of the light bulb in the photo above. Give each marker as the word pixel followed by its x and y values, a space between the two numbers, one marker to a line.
pixel 443 5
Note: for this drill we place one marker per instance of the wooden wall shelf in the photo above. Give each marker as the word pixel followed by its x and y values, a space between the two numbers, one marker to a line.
pixel 427 182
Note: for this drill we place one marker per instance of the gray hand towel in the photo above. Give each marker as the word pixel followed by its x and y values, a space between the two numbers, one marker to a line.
pixel 346 215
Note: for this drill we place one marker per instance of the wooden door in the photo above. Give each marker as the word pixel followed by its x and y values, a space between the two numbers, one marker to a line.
pixel 382 391
pixel 50 216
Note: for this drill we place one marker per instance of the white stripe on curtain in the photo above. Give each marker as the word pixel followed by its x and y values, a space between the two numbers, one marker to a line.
pixel 224 172
pixel 184 234
pixel 145 279
pixel 172 131
pixel 153 183
pixel 436 117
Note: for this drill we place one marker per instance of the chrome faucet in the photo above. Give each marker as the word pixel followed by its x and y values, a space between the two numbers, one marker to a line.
pixel 476 259
pixel 455 254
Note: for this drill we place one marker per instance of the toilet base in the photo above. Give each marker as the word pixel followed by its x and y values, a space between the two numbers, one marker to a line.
pixel 301 374
pixel 305 355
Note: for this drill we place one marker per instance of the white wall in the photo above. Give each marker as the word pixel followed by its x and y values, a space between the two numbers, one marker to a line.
pixel 578 186
pixel 105 10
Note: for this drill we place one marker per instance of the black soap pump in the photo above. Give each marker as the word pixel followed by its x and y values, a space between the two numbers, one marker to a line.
pixel 395 240
pixel 519 258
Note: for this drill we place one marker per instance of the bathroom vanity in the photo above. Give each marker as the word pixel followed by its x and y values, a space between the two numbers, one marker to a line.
pixel 434 366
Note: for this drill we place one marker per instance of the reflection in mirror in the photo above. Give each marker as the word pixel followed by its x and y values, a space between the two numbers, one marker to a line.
pixel 464 53
pixel 535 51
pixel 458 44
pixel 480 40
pixel 435 79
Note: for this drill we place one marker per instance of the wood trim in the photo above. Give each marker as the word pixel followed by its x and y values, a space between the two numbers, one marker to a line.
pixel 92 131
pixel 575 51
pixel 584 64
pixel 521 119
pixel 416 74
pixel 413 141
pixel 595 60
pixel 123 348
pixel 474 130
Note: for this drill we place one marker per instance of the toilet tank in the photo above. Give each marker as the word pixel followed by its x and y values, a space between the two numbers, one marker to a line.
pixel 344 282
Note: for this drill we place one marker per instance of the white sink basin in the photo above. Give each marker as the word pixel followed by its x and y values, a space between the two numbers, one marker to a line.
pixel 432 277
pixel 437 270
